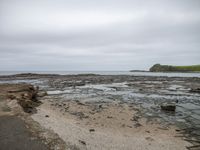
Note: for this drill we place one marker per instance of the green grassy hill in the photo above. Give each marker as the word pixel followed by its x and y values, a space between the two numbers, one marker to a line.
pixel 168 68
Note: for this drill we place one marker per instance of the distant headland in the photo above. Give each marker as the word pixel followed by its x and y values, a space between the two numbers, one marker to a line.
pixel 170 68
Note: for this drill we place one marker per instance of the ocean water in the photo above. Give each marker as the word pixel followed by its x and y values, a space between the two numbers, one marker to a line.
pixel 105 73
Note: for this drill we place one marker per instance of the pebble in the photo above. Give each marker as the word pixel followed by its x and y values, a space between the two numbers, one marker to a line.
pixel 92 130
pixel 82 142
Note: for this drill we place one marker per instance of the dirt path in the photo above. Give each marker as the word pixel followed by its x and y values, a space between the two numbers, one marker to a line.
pixel 17 130
pixel 15 136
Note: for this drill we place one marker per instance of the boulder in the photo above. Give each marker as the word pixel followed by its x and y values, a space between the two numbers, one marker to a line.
pixel 168 107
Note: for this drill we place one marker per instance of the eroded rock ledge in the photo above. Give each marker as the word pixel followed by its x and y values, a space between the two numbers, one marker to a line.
pixel 25 94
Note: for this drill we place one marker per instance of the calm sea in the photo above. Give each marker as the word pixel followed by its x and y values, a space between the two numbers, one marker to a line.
pixel 105 73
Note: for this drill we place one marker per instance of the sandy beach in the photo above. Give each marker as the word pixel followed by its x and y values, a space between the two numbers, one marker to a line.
pixel 114 127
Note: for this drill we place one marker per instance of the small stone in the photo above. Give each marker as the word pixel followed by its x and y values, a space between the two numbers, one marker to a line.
pixel 123 125
pixel 92 130
pixel 129 126
pixel 149 139
pixel 47 116
pixel 136 125
pixel 79 103
pixel 82 142
pixel 109 117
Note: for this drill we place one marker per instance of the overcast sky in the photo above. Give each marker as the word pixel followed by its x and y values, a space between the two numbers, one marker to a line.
pixel 42 35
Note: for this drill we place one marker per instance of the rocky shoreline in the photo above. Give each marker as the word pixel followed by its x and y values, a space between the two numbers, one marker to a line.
pixel 106 111
pixel 18 130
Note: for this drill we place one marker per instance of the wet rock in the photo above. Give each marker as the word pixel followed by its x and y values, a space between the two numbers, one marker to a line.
pixel 74 84
pixel 168 107
pixel 80 83
pixel 196 90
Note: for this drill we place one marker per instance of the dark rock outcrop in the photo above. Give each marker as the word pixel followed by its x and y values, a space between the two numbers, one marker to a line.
pixel 25 94
pixel 196 90
pixel 168 107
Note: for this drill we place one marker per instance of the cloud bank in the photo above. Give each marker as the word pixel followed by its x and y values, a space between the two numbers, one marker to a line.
pixel 96 35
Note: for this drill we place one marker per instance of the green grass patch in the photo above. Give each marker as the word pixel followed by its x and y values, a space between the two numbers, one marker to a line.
pixel 189 68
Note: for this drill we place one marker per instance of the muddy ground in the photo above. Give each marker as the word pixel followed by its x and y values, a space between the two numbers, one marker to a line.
pixel 117 112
